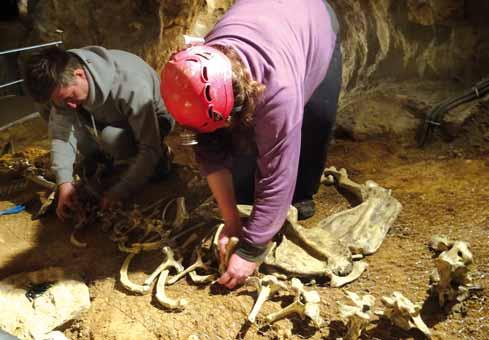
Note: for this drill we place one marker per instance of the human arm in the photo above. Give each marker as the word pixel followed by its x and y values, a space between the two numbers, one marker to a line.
pixel 149 124
pixel 61 127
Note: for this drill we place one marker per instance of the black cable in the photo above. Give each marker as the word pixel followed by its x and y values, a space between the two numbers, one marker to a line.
pixel 435 116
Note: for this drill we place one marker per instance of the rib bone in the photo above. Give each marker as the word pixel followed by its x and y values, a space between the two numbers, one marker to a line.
pixel 170 262
pixel 164 300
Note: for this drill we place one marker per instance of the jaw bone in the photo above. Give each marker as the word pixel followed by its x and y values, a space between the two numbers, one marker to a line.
pixel 267 286
pixel 451 281
pixel 306 304
pixel 359 315
pixel 403 313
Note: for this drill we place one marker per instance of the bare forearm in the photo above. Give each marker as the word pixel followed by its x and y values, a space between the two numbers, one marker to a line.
pixel 221 185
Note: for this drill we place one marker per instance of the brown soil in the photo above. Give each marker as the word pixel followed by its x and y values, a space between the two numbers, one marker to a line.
pixel 444 188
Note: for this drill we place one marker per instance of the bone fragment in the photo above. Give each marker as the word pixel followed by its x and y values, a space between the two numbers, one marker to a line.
pixel 128 284
pixel 74 241
pixel 452 280
pixel 306 304
pixel 181 214
pixel 267 286
pixel 357 270
pixel 440 243
pixel 40 180
pixel 198 264
pixel 340 178
pixel 233 241
pixel 403 313
pixel 165 301
pixel 359 315
pixel 170 262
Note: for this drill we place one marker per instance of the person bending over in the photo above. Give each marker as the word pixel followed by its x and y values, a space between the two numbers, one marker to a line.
pixel 261 95
pixel 100 101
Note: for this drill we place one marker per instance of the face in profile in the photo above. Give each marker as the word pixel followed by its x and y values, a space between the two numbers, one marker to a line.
pixel 73 95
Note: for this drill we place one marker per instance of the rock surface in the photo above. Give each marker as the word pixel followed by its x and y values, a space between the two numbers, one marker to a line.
pixel 64 300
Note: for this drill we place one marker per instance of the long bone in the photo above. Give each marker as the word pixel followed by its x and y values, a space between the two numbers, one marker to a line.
pixel 267 286
pixel 170 262
pixel 403 313
pixel 358 315
pixel 306 304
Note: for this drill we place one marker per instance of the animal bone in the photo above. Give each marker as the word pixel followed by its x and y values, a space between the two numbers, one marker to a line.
pixel 440 243
pixel 164 300
pixel 403 313
pixel 128 284
pixel 359 315
pixel 170 262
pixel 340 179
pixel 358 269
pixel 266 286
pixel 198 264
pixel 451 280
pixel 233 241
pixel 74 241
pixel 181 214
pixel 306 304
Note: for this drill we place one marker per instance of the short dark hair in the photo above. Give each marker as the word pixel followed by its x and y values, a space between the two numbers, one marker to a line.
pixel 47 69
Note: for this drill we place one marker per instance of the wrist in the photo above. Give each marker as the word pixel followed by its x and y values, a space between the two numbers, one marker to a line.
pixel 251 252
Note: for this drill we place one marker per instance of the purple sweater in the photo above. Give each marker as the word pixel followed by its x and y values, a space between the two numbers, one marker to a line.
pixel 287 46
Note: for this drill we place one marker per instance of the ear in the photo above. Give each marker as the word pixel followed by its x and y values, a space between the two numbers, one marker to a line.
pixel 79 72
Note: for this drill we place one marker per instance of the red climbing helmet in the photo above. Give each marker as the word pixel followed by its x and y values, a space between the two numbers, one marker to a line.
pixel 196 86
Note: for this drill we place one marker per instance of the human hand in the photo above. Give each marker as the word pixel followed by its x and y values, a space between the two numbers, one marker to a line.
pixel 67 201
pixel 237 272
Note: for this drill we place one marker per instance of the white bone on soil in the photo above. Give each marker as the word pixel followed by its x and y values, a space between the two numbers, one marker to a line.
pixel 198 264
pixel 359 315
pixel 403 313
pixel 440 243
pixel 306 304
pixel 452 273
pixel 357 270
pixel 170 262
pixel 267 286
pixel 165 301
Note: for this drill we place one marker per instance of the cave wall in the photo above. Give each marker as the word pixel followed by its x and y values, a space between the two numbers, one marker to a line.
pixel 409 39
pixel 381 39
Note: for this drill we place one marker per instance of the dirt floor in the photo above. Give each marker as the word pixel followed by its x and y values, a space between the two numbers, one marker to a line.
pixel 444 189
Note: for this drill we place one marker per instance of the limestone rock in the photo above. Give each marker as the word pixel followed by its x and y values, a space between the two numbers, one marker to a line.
pixel 64 299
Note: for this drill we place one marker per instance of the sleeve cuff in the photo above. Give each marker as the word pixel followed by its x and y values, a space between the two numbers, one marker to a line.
pixel 251 252
pixel 63 176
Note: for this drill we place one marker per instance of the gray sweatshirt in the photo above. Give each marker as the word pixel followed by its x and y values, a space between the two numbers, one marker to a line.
pixel 124 92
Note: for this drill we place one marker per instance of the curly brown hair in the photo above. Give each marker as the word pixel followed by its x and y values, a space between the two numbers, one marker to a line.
pixel 247 95
pixel 47 69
